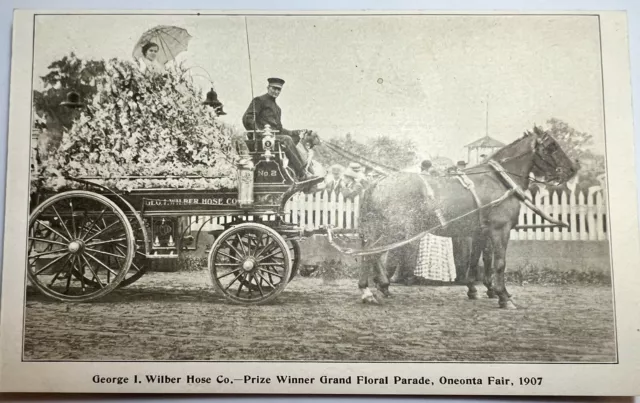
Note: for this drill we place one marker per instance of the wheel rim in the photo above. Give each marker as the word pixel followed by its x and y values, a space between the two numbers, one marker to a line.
pixel 294 250
pixel 250 263
pixel 80 246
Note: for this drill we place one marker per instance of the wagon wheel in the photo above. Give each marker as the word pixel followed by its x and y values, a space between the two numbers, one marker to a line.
pixel 139 264
pixel 83 229
pixel 256 270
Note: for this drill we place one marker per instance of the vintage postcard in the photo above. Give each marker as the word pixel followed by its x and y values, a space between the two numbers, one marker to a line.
pixel 321 203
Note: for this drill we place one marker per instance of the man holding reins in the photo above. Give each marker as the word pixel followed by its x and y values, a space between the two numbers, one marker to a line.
pixel 263 111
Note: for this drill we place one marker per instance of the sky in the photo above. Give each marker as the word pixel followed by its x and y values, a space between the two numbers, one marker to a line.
pixel 425 78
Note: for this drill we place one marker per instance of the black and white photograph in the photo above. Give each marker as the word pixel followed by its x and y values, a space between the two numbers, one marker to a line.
pixel 318 188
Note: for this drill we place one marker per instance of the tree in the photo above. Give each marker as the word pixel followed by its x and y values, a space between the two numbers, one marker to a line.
pixel 385 150
pixel 577 145
pixel 65 75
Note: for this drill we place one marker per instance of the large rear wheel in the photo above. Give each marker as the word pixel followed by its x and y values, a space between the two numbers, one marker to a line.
pixel 80 246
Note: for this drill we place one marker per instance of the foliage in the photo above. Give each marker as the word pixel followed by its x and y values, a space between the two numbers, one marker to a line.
pixel 528 273
pixel 192 262
pixel 147 124
pixel 393 152
pixel 576 144
pixel 65 75
pixel 330 270
pixel 533 274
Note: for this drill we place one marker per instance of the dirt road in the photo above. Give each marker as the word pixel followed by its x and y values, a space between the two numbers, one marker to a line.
pixel 177 316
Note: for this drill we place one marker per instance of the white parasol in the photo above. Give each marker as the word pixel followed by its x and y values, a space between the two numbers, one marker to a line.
pixel 171 41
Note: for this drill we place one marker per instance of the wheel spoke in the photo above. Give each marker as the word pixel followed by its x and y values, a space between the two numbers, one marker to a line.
pixel 47 241
pixel 95 275
pixel 227 264
pixel 48 253
pixel 271 272
pixel 241 284
pixel 234 248
pixel 232 281
pixel 94 223
pixel 135 267
pixel 267 247
pixel 229 256
pixel 271 254
pixel 265 280
pixel 103 265
pixel 71 267
pixel 55 277
pixel 227 274
pixel 102 230
pixel 62 221
pixel 242 244
pixel 73 219
pixel 106 242
pixel 105 253
pixel 43 268
pixel 52 230
pixel 258 283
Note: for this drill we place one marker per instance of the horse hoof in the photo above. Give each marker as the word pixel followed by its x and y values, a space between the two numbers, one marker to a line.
pixel 473 295
pixel 491 294
pixel 370 299
pixel 508 304
pixel 385 292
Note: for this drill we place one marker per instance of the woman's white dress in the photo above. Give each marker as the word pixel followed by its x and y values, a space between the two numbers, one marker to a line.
pixel 147 65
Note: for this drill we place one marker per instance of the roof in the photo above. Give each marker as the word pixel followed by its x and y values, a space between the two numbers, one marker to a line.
pixel 486 141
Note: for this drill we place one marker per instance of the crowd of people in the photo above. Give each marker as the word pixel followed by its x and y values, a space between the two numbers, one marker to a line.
pixel 349 181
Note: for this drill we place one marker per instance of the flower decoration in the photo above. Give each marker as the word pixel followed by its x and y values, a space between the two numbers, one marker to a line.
pixel 142 125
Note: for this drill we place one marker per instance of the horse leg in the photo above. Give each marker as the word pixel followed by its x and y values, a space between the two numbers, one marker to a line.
pixel 472 266
pixel 488 277
pixel 461 257
pixel 393 267
pixel 408 262
pixel 381 278
pixel 500 239
pixel 363 283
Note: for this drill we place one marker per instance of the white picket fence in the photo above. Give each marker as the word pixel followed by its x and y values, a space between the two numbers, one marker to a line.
pixel 585 212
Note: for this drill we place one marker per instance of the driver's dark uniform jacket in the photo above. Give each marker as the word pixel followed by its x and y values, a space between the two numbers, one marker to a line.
pixel 262 111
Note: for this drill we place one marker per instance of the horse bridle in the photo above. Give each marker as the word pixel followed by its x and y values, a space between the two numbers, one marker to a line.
pixel 546 146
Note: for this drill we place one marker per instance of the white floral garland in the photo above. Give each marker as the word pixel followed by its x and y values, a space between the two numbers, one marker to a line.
pixel 139 128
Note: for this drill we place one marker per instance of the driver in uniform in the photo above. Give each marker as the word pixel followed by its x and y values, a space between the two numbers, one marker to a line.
pixel 263 111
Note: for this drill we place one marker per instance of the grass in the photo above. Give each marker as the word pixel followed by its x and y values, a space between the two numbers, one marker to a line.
pixel 526 273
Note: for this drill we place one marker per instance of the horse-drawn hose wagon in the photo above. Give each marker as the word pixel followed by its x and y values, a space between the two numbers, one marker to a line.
pixel 86 242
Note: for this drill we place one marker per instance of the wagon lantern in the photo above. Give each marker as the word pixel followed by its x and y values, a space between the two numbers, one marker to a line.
pixel 212 101
pixel 73 101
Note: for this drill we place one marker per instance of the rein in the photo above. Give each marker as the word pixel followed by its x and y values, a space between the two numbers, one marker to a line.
pixel 382 249
pixel 512 188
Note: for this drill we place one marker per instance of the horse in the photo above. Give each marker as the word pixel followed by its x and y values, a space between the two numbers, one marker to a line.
pixel 402 205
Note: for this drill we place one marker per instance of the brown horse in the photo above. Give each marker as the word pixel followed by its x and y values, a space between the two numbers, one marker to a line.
pixel 398 208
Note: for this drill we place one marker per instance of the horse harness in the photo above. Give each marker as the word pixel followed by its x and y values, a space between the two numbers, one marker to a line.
pixel 466 183
pixel 512 188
